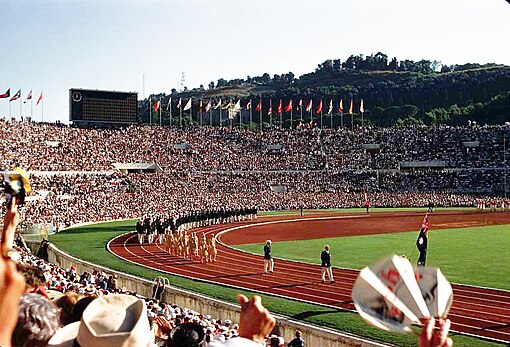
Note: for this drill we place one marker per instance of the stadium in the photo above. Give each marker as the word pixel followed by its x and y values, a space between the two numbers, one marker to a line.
pixel 214 181
pixel 255 174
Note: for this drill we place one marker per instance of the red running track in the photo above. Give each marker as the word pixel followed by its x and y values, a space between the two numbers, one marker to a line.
pixel 476 311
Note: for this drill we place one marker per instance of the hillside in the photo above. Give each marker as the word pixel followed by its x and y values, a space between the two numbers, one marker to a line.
pixel 402 92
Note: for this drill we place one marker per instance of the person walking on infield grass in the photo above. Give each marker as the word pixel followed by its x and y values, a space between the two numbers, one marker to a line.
pixel 422 241
pixel 268 259
pixel 326 265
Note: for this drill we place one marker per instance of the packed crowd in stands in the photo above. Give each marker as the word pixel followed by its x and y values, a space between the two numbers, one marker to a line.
pixel 64 200
pixel 311 169
pixel 47 147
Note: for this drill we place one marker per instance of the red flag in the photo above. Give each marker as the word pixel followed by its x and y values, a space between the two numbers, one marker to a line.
pixel 309 106
pixel 288 108
pixel 16 96
pixel 319 109
pixel 280 106
pixel 156 105
pixel 341 106
pixel 259 106
pixel 270 111
pixel 39 100
pixel 6 94
pixel 425 224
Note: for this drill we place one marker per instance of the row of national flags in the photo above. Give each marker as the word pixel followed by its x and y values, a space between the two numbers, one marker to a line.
pixel 235 108
pixel 7 95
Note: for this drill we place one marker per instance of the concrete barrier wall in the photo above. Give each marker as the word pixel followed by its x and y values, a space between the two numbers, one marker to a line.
pixel 286 327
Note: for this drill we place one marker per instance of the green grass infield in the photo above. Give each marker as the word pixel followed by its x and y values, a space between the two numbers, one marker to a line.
pixel 475 255
pixel 89 243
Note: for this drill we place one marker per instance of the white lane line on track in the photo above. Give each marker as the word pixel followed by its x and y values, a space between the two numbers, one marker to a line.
pixel 303 300
pixel 287 297
pixel 242 282
pixel 305 294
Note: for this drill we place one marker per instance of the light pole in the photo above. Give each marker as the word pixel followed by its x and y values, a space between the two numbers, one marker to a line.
pixel 504 163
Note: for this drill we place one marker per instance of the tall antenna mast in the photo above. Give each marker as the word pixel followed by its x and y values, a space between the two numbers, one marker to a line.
pixel 183 80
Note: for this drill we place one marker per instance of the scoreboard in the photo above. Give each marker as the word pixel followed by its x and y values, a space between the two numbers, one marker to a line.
pixel 102 107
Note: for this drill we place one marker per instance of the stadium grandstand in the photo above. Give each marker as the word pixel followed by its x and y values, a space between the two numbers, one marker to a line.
pixel 89 175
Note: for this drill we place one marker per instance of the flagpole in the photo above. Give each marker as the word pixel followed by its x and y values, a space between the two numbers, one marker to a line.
pixel 321 114
pixel 301 112
pixel 291 107
pixel 251 113
pixel 42 110
pixel 281 115
pixel 191 113
pixel 180 114
pixel 342 119
pixel 150 111
pixel 210 115
pixel 240 118
pixel 260 122
pixel 170 108
pixel 20 108
pixel 31 108
pixel 200 113
pixel 311 117
pixel 271 114
pixel 219 120
pixel 160 107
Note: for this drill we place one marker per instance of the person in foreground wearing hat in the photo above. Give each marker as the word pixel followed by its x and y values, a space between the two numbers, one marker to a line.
pixel 108 321
pixel 268 259
pixel 326 265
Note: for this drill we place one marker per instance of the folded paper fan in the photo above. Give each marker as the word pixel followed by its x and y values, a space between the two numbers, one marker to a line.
pixel 435 289
pixel 391 295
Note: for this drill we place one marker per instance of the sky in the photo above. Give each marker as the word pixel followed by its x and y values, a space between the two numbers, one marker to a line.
pixel 51 46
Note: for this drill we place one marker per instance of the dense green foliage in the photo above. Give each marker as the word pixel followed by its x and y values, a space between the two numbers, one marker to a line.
pixel 88 243
pixel 477 255
pixel 395 92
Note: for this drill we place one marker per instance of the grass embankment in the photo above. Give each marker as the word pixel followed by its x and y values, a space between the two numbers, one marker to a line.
pixel 476 255
pixel 88 243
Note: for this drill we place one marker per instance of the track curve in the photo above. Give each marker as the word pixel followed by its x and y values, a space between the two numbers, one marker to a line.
pixel 480 312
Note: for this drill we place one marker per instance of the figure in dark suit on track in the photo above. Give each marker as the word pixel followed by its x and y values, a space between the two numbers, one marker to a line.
pixel 268 259
pixel 326 265
pixel 140 231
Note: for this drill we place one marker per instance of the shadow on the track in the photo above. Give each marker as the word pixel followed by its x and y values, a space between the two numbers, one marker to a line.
pixel 239 275
pixel 294 285
pixel 308 314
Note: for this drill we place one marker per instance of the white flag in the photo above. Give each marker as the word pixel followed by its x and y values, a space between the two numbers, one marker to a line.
pixel 218 105
pixel 179 103
pixel 330 110
pixel 235 110
pixel 188 105
pixel 169 104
